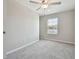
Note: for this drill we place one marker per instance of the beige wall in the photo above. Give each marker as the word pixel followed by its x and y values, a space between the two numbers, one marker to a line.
pixel 20 24
pixel 66 27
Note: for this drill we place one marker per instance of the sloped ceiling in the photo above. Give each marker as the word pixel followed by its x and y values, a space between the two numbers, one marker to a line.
pixel 65 5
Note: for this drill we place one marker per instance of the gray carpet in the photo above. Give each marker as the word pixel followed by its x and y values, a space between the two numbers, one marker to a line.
pixel 45 50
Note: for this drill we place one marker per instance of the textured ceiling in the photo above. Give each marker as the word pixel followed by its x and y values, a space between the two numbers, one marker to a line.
pixel 65 5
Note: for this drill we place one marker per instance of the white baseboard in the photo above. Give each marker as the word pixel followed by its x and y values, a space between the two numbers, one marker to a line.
pixel 14 50
pixel 61 41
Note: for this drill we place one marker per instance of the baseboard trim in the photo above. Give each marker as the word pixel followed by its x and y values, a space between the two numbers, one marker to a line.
pixel 14 50
pixel 65 42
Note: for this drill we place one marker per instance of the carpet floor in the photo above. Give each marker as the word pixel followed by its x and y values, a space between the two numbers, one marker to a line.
pixel 44 49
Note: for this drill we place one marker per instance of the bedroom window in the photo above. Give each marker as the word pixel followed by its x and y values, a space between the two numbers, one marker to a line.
pixel 52 26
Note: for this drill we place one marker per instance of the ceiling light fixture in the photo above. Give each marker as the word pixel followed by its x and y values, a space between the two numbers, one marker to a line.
pixel 44 6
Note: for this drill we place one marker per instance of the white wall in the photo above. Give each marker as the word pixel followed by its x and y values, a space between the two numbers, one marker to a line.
pixel 20 24
pixel 66 27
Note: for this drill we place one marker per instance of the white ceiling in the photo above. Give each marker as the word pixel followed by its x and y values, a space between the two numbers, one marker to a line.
pixel 65 5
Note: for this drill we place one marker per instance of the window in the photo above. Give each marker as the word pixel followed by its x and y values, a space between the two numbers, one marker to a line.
pixel 52 26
